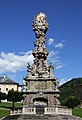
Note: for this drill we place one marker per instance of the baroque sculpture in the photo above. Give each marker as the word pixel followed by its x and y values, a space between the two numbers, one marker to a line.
pixel 39 86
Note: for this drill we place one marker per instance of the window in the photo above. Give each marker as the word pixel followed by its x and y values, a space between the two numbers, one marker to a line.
pixel 0 89
pixel 13 89
pixel 6 89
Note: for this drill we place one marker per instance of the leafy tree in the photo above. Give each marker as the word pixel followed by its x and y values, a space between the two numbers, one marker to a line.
pixel 2 96
pixel 14 96
pixel 71 102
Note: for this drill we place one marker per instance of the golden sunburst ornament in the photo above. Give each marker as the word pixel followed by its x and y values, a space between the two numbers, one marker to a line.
pixel 41 16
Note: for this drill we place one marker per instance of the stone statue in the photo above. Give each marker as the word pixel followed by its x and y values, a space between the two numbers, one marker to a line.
pixel 40 79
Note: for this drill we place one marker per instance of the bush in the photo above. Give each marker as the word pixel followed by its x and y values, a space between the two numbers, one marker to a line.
pixel 71 102
pixel 2 96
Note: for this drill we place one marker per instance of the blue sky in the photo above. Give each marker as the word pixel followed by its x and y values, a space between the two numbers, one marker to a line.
pixel 64 37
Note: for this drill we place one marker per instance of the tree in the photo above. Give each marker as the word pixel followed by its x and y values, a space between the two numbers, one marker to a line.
pixel 71 102
pixel 2 96
pixel 14 96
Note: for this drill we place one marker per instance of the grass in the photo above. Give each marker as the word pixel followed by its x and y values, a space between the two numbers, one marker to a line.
pixel 5 108
pixel 4 113
pixel 8 105
pixel 77 111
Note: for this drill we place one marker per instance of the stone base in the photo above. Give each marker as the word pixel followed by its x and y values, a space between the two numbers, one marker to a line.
pixel 42 117
pixel 50 113
pixel 42 110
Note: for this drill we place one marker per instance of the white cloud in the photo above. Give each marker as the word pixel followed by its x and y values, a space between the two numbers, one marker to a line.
pixel 10 62
pixel 50 41
pixel 59 45
pixel 59 67
pixel 62 81
pixel 26 53
pixel 54 59
pixel 54 43
pixel 53 55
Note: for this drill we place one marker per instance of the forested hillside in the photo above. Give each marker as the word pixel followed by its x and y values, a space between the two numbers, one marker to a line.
pixel 67 89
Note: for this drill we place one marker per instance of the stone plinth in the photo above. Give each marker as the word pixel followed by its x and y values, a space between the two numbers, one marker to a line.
pixel 47 111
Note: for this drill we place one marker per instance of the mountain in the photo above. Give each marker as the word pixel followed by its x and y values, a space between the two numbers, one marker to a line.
pixel 67 89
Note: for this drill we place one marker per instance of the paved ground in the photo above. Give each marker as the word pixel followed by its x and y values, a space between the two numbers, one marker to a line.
pixel 42 117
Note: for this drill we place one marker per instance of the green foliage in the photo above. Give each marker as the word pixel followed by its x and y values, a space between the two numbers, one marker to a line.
pixel 5 106
pixel 77 111
pixel 8 105
pixel 2 96
pixel 71 102
pixel 67 89
pixel 14 96
pixel 4 113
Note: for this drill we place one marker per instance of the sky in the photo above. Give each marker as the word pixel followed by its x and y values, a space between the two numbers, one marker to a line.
pixel 63 38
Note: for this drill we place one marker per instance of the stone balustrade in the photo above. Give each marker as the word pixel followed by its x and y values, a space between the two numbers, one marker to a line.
pixel 29 110
pixel 24 110
pixel 47 110
pixel 58 110
pixel 15 111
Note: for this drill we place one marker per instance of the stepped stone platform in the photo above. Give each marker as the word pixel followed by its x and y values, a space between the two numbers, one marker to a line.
pixel 41 117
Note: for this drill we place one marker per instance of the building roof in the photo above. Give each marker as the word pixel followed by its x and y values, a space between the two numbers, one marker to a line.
pixel 6 80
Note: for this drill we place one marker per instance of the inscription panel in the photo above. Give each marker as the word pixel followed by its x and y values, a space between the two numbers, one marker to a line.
pixel 41 85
